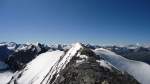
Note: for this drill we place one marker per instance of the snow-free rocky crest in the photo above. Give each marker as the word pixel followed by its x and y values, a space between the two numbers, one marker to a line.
pixel 78 65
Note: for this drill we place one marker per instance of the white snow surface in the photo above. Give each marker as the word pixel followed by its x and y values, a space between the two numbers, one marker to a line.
pixel 5 77
pixel 139 70
pixel 105 64
pixel 22 47
pixel 37 69
pixel 61 64
pixel 45 66
pixel 82 58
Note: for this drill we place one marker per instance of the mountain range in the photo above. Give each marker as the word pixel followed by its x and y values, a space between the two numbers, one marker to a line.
pixel 73 64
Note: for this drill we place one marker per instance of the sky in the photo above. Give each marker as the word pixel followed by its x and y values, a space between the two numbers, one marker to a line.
pixel 69 21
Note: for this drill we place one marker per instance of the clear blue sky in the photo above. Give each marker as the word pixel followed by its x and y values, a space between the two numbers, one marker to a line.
pixel 67 21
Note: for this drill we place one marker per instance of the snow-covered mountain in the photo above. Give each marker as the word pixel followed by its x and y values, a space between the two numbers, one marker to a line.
pixel 76 66
pixel 45 66
pixel 71 64
pixel 140 70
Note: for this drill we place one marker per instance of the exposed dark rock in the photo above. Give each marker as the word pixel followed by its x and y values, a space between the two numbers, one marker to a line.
pixel 43 48
pixel 17 60
pixel 4 52
pixel 83 68
pixel 90 72
pixel 20 58
pixel 138 54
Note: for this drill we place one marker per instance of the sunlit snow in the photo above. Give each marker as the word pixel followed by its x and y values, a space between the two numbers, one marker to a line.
pixel 140 70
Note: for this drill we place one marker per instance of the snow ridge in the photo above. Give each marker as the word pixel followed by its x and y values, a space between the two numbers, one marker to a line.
pixel 140 70
pixel 60 65
pixel 44 67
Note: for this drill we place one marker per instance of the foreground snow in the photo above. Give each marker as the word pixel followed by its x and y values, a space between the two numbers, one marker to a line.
pixel 140 70
pixel 39 67
pixel 5 77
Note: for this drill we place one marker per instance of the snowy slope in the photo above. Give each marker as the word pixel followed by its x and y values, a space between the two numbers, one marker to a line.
pixel 44 67
pixel 39 67
pixel 140 70
pixel 61 64
pixel 5 77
